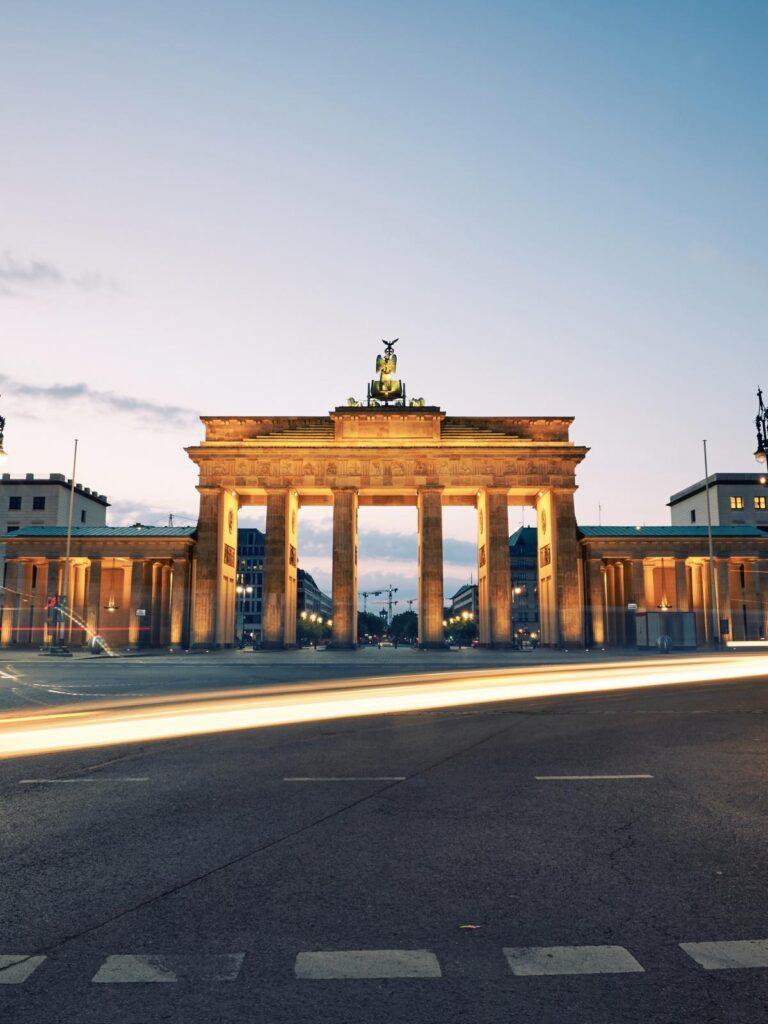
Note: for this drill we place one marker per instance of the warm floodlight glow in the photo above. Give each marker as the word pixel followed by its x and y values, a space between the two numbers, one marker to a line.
pixel 140 721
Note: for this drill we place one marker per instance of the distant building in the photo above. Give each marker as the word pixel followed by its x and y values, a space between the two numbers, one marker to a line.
pixel 524 572
pixel 736 499
pixel 44 501
pixel 311 598
pixel 250 580
pixel 250 576
pixel 465 600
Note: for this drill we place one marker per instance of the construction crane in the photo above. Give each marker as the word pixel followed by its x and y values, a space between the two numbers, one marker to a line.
pixel 377 593
pixel 366 594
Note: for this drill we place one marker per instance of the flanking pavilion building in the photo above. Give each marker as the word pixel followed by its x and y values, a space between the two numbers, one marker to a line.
pixel 133 585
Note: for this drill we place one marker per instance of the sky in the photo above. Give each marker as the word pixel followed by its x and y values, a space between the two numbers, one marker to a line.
pixel 221 208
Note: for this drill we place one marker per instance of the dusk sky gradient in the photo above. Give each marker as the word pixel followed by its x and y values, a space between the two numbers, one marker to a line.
pixel 221 208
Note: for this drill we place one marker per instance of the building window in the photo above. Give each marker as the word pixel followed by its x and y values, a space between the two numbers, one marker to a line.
pixel 737 501
pixel 760 501
pixel 82 516
pixel 14 503
pixel 693 515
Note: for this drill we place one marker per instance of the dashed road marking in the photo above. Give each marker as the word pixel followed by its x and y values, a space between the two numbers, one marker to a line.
pixel 571 778
pixel 16 968
pixel 365 778
pixel 88 778
pixel 541 960
pixel 131 969
pixel 722 956
pixel 368 963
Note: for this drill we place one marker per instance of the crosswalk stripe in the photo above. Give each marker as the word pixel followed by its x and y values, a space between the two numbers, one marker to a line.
pixel 368 963
pixel 125 968
pixel 17 967
pixel 541 960
pixel 721 956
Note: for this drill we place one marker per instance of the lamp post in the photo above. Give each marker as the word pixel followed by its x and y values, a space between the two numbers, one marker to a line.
pixel 241 589
pixel 761 424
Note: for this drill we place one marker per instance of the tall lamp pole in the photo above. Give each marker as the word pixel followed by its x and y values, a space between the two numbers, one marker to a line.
pixel 714 602
pixel 65 582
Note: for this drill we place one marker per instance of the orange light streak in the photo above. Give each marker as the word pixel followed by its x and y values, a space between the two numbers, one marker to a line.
pixel 134 721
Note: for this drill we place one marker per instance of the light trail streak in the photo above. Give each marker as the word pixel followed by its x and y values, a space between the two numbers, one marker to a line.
pixel 216 712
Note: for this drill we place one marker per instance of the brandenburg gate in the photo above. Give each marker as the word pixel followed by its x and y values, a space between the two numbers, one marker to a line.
pixel 386 450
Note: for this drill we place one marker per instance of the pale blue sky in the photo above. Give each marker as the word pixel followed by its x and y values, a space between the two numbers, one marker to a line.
pixel 558 206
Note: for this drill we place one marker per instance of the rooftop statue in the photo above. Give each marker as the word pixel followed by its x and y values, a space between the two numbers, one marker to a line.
pixel 387 388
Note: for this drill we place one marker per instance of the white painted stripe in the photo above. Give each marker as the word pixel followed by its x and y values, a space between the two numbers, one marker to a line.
pixel 88 778
pixel 16 968
pixel 121 969
pixel 368 963
pixel 722 956
pixel 541 960
pixel 366 778
pixel 7 675
pixel 144 969
pixel 568 778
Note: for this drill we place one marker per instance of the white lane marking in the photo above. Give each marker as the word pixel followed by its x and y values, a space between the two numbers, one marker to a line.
pixel 567 778
pixel 722 956
pixel 89 778
pixel 7 675
pixel 362 778
pixel 368 963
pixel 540 960
pixel 125 968
pixel 16 968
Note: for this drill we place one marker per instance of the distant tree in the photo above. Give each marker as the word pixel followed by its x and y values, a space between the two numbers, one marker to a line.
pixel 367 622
pixel 404 626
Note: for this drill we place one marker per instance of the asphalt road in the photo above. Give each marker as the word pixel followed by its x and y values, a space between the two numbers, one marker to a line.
pixel 226 889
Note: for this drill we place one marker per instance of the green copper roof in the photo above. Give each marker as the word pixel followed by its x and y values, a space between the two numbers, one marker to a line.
pixel 103 531
pixel 670 531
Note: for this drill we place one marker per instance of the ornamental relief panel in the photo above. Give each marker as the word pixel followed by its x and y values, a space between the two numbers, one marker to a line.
pixel 445 469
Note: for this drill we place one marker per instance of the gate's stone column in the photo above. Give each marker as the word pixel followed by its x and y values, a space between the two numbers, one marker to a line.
pixel 214 603
pixel 203 628
pixel 750 599
pixel 682 597
pixel 280 569
pixel 344 629
pixel 596 590
pixel 41 598
pixel 430 567
pixel 93 599
pixel 560 598
pixel 179 587
pixel 723 583
pixel 493 574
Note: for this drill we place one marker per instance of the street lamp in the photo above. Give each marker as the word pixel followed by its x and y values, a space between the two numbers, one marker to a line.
pixel 241 589
pixel 761 423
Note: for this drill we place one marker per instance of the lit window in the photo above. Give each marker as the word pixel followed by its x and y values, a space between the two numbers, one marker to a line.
pixel 737 501
pixel 760 501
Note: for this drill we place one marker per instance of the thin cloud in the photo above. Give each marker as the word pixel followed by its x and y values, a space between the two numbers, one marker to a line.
pixel 16 274
pixel 126 513
pixel 173 414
